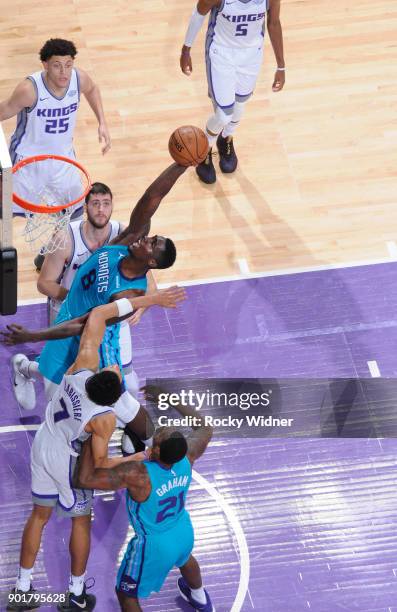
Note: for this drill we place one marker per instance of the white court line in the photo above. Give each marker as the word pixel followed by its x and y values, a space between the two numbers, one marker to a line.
pixel 240 536
pixel 374 369
pixel 244 267
pixel 11 428
pixel 282 272
pixel 251 275
pixel 227 510
pixel 32 301
pixel 392 248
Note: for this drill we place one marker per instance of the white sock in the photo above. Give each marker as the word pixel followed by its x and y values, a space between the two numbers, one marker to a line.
pixel 199 595
pixel 33 368
pixel 24 579
pixel 76 584
pixel 229 129
pixel 28 368
pixel 211 138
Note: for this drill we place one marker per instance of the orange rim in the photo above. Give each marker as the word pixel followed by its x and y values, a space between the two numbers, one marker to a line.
pixel 43 208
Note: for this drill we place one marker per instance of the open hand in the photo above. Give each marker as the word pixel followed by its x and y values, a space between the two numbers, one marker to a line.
pixel 151 393
pixel 16 335
pixel 136 316
pixel 169 298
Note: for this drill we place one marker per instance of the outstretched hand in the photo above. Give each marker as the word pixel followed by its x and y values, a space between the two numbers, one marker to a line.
pixel 16 334
pixel 169 298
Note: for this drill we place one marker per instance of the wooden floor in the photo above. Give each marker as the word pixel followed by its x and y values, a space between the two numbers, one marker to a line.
pixel 316 183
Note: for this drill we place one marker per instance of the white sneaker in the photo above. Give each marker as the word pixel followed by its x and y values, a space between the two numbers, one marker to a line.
pixel 23 386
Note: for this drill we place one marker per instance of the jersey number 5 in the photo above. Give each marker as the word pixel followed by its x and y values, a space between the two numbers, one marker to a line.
pixel 242 29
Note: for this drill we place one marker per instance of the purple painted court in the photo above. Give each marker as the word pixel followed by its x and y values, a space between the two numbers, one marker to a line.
pixel 311 522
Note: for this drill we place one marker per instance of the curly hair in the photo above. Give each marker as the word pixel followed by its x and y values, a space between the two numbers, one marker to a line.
pixel 57 46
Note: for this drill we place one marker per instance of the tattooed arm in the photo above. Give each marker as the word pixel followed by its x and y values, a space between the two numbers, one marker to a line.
pixel 131 475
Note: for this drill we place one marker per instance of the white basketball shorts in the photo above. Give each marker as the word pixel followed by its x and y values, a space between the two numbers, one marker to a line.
pixel 52 466
pixel 232 72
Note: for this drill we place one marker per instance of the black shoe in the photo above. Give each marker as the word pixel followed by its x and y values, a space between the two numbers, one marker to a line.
pixel 38 261
pixel 206 170
pixel 77 602
pixel 22 600
pixel 227 155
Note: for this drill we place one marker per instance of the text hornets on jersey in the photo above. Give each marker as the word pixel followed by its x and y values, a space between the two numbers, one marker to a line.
pixel 103 272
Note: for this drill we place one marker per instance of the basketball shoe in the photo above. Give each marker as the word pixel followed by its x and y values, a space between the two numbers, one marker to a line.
pixel 23 386
pixel 227 155
pixel 206 170
pixel 22 600
pixel 77 602
pixel 186 593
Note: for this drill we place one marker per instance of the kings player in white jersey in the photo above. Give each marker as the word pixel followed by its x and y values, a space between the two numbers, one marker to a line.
pixel 81 407
pixel 46 105
pixel 233 54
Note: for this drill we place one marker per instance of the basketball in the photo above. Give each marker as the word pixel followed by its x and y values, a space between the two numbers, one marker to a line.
pixel 188 145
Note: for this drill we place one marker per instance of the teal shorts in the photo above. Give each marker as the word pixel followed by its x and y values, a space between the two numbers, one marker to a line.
pixel 58 355
pixel 149 559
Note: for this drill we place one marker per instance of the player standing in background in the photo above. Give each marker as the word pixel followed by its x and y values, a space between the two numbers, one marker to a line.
pixel 80 408
pixel 233 54
pixel 156 499
pixel 46 105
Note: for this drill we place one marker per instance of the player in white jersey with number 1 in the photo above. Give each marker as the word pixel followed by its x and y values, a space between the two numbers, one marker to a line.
pixel 46 105
pixel 233 53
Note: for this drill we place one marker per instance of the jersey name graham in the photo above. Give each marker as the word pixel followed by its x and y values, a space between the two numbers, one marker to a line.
pixel 171 484
pixel 57 112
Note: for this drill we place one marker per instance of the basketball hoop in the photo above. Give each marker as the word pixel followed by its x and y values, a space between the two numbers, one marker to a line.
pixel 49 188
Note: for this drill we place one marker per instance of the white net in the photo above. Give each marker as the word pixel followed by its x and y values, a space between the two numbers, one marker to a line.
pixel 49 183
pixel 47 232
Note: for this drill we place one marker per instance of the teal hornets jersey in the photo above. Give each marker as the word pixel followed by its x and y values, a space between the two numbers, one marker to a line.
pixel 97 280
pixel 165 507
pixel 94 284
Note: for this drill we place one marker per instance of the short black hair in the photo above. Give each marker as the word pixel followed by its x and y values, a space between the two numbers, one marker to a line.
pixel 57 46
pixel 103 388
pixel 173 448
pixel 166 258
pixel 98 188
